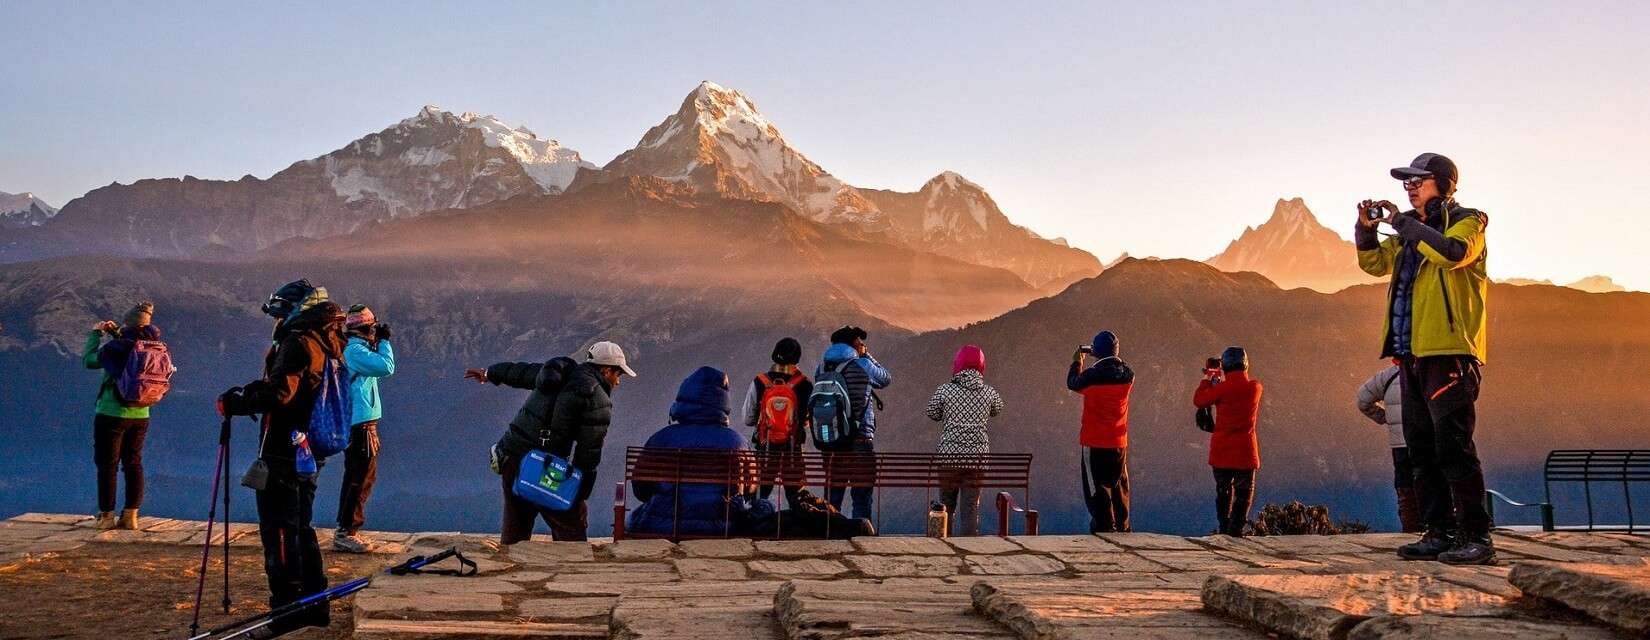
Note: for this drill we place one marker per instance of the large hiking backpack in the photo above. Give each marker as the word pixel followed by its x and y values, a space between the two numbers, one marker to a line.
pixel 147 375
pixel 775 423
pixel 829 407
pixel 329 420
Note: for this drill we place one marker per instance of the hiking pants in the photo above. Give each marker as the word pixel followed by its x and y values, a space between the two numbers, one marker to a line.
pixel 118 441
pixel 519 514
pixel 360 472
pixel 1403 473
pixel 960 493
pixel 858 467
pixel 1439 418
pixel 782 462
pixel 292 558
pixel 1234 494
pixel 1109 503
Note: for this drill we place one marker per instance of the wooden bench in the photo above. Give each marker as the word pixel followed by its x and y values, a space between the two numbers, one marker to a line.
pixel 1588 467
pixel 890 470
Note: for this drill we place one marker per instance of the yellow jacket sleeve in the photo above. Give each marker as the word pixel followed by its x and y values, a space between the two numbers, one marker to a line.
pixel 1378 261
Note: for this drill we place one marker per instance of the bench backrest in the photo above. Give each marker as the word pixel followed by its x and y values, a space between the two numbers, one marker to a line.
pixel 891 469
pixel 1598 465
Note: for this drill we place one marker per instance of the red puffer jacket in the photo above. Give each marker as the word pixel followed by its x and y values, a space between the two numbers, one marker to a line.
pixel 1237 408
pixel 1105 388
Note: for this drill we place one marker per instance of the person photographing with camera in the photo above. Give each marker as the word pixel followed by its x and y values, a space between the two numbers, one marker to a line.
pixel 1105 387
pixel 1436 328
pixel 1234 449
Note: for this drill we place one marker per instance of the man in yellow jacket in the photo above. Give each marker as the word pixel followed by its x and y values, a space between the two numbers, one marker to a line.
pixel 1436 328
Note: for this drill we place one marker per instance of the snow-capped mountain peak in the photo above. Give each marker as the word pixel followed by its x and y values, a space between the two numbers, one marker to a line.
pixel 952 203
pixel 718 142
pixel 24 210
pixel 1293 250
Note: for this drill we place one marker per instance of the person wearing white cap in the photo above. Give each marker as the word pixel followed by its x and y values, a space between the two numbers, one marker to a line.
pixel 578 427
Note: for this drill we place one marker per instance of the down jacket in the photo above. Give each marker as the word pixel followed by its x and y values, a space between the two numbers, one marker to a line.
pixel 1381 398
pixel 699 420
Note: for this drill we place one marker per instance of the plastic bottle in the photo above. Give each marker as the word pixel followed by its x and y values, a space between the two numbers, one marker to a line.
pixel 306 460
pixel 938 521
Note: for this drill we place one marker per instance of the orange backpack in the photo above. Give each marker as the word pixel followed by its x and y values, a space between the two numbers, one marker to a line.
pixel 777 418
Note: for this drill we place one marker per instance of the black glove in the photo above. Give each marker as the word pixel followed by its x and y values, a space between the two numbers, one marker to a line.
pixel 233 403
pixel 382 331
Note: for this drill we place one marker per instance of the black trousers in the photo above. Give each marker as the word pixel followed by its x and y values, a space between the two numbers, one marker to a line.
pixel 1109 503
pixel 1439 419
pixel 118 442
pixel 783 464
pixel 360 472
pixel 292 558
pixel 519 514
pixel 1403 473
pixel 1234 494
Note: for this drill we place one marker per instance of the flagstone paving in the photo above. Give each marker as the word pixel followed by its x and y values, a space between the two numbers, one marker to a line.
pixel 1075 587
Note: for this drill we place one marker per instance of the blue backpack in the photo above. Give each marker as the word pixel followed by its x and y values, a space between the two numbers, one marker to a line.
pixel 828 406
pixel 329 421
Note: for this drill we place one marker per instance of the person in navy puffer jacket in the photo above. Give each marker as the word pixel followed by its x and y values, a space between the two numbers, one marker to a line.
pixel 698 420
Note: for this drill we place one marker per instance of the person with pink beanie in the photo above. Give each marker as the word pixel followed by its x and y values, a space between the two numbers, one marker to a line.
pixel 963 405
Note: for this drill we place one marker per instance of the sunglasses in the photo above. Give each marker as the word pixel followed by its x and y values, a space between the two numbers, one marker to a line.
pixel 1414 182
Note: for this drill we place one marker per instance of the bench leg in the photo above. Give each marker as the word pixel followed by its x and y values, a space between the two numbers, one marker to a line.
pixel 618 511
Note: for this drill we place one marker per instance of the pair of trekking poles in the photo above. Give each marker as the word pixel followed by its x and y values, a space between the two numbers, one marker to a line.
pixel 245 626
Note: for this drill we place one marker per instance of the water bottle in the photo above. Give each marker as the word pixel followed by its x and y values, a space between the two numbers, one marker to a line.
pixel 306 460
pixel 938 521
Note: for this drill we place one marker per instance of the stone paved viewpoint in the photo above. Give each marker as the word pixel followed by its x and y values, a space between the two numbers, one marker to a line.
pixel 1138 586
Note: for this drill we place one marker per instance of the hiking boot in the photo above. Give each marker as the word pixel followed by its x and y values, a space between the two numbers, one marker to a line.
pixel 350 542
pixel 128 519
pixel 105 520
pixel 1429 546
pixel 1473 551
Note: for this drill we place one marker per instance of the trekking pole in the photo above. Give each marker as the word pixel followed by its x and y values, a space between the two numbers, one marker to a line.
pixel 211 519
pixel 223 445
pixel 241 628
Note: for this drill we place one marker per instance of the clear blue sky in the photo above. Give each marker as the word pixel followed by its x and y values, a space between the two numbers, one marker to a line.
pixel 1159 130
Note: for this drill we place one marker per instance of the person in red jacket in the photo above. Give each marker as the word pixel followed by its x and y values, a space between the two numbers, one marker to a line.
pixel 1234 452
pixel 1105 436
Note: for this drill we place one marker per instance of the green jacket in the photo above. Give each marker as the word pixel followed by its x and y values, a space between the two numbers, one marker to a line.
pixel 108 403
pixel 1447 316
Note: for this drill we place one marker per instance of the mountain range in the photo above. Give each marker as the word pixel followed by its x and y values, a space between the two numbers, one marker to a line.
pixel 1590 284
pixel 1294 250
pixel 716 143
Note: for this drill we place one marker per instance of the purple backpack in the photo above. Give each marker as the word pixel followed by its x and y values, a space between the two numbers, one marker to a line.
pixel 147 375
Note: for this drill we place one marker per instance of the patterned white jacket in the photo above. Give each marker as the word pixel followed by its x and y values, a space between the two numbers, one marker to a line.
pixel 964 405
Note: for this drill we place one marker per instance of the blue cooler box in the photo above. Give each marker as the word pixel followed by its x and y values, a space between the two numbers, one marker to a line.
pixel 547 481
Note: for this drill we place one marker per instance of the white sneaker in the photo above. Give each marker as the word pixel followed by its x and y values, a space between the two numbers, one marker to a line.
pixel 351 543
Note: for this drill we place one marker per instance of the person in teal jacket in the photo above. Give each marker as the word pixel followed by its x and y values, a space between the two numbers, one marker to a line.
pixel 118 430
pixel 368 357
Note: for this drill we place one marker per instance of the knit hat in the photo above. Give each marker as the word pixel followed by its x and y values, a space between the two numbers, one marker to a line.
pixel 359 315
pixel 1431 165
pixel 1105 345
pixel 1234 359
pixel 788 351
pixel 968 357
pixel 140 315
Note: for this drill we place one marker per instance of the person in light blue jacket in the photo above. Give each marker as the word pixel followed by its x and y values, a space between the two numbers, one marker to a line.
pixel 368 357
pixel 852 459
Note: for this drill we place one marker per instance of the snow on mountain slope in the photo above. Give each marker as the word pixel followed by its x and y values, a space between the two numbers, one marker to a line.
pixel 19 210
pixel 1292 249
pixel 718 142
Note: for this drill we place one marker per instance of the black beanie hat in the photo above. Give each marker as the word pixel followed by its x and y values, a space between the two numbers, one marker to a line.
pixel 788 351
pixel 847 334
pixel 1234 359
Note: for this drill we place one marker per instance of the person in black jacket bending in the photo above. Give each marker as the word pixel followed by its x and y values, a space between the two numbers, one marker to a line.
pixel 308 332
pixel 567 415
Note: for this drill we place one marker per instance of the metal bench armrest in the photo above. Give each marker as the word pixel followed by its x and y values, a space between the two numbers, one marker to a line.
pixel 1491 495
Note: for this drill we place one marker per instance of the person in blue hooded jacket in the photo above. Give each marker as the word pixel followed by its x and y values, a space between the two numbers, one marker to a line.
pixel 698 420
pixel 852 459
pixel 368 358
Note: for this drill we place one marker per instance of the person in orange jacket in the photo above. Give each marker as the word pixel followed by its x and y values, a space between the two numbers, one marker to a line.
pixel 1234 451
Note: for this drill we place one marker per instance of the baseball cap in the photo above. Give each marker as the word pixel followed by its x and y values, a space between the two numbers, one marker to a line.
pixel 1431 164
pixel 609 354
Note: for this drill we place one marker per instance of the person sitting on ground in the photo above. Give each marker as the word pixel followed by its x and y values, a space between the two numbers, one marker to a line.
pixel 1105 387
pixel 1234 451
pixel 963 405
pixel 1381 398
pixel 776 407
pixel 368 357
pixel 698 420
pixel 118 428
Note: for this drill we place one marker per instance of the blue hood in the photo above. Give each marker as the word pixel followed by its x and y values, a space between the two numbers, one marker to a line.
pixel 1105 345
pixel 702 398
pixel 839 353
